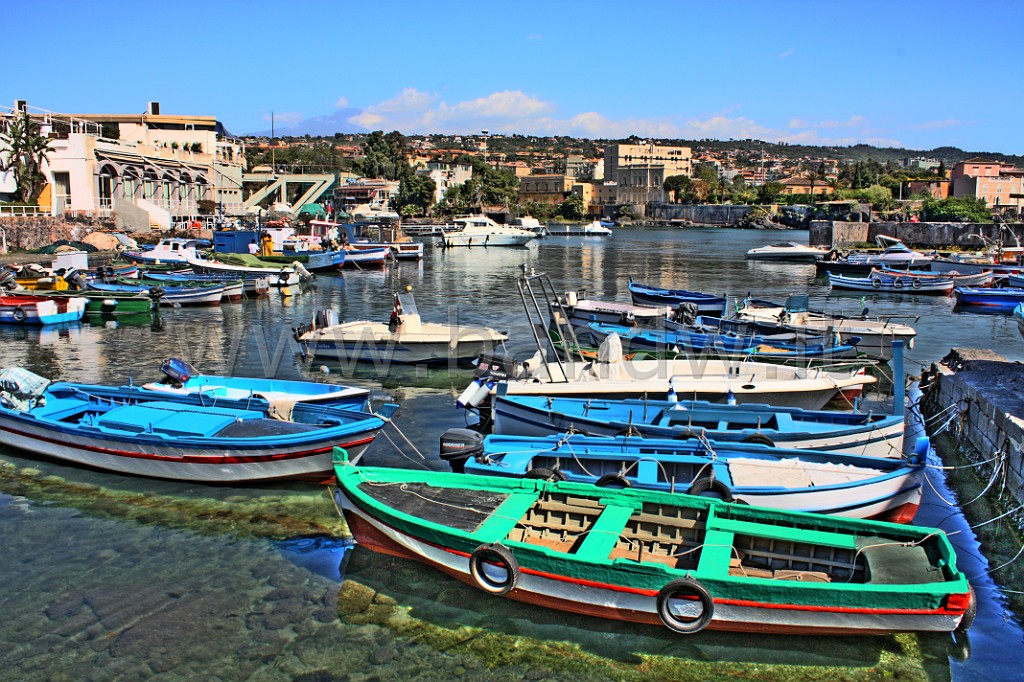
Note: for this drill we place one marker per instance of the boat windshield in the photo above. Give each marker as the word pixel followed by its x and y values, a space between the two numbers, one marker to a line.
pixel 797 303
pixel 407 304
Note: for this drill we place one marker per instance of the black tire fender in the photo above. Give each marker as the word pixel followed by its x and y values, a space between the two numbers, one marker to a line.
pixel 968 618
pixel 545 474
pixel 19 314
pixel 759 439
pixel 897 283
pixel 613 481
pixel 876 283
pixel 686 434
pixel 708 484
pixel 687 587
pixel 494 553
pixel 917 283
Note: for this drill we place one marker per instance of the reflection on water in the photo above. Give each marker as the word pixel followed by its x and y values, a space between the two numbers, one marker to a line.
pixel 137 578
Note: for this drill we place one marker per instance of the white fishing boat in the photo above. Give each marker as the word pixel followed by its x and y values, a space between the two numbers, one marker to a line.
pixel 167 250
pixel 591 229
pixel 480 230
pixel 876 334
pixel 581 311
pixel 610 376
pixel 792 251
pixel 404 339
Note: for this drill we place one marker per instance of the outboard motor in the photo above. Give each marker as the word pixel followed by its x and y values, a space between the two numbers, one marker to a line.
pixel 495 365
pixel 7 280
pixel 156 293
pixel 325 318
pixel 458 445
pixel 686 313
pixel 75 279
pixel 178 371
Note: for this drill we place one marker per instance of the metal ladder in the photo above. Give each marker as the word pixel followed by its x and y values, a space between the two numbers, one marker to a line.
pixel 545 312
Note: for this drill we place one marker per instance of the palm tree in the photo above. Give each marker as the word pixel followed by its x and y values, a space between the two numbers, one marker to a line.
pixel 835 184
pixel 27 150
pixel 813 177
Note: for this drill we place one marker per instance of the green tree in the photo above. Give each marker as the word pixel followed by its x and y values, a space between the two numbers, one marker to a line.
pixel 700 190
pixel 812 177
pixel 957 209
pixel 769 192
pixel 572 208
pixel 416 191
pixel 26 150
pixel 836 185
pixel 384 156
pixel 680 185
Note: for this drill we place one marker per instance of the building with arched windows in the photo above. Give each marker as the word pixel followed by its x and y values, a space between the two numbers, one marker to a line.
pixel 151 170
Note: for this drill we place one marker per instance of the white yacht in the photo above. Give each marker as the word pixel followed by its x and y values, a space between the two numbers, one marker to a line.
pixel 786 251
pixel 480 230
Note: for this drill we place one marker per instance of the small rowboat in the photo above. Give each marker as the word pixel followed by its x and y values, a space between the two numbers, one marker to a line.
pixel 977 279
pixel 41 309
pixel 210 294
pixel 874 435
pixel 180 437
pixel 893 284
pixel 707 304
pixel 780 478
pixel 1001 299
pixel 653 557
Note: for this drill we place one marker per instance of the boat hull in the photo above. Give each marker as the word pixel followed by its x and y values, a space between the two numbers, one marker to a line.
pixel 594 579
pixel 530 417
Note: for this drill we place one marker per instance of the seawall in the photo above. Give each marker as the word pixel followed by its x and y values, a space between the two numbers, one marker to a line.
pixel 840 234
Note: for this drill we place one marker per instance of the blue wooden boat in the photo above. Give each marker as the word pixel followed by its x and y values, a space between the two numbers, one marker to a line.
pixel 181 378
pixel 695 342
pixel 1001 299
pixel 1018 317
pixel 182 437
pixel 252 285
pixel 857 433
pixel 779 478
pixel 706 304
pixel 210 294
pixel 892 284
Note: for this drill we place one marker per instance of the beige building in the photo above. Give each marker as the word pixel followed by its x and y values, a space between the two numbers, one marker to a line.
pixel 445 176
pixel 152 170
pixel 548 188
pixel 640 170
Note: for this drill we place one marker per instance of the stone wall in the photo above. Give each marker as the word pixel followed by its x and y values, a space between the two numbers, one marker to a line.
pixel 989 394
pixel 701 214
pixel 29 233
pixel 839 234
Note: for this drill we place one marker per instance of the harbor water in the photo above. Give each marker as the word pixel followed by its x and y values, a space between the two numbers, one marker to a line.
pixel 111 577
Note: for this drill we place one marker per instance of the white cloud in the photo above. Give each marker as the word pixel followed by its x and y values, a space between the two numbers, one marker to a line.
pixel 946 123
pixel 535 36
pixel 414 111
pixel 341 103
pixel 787 53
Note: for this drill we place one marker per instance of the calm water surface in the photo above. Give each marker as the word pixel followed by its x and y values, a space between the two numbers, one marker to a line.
pixel 111 577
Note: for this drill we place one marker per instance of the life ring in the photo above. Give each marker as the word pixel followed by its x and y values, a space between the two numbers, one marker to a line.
pixel 916 283
pixel 759 439
pixel 495 555
pixel 897 283
pixel 709 484
pixel 19 314
pixel 546 474
pixel 690 590
pixel 613 481
pixel 876 283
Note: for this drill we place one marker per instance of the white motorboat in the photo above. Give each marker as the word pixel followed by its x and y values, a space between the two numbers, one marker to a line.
pixel 482 231
pixel 167 250
pixel 581 311
pixel 698 378
pixel 876 335
pixel 591 229
pixel 404 339
pixel 786 251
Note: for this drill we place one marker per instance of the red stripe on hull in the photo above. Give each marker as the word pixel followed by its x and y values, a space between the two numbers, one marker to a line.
pixel 192 459
pixel 368 536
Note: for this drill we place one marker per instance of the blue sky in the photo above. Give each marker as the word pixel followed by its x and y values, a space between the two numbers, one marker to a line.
pixel 890 73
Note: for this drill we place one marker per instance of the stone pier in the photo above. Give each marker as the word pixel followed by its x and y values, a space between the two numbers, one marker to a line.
pixel 988 392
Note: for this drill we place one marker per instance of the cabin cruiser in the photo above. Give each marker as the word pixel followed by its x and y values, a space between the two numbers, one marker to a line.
pixel 480 230
pixel 894 254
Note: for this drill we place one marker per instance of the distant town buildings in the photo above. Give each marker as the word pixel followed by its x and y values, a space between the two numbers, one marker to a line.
pixel 1001 186
pixel 640 170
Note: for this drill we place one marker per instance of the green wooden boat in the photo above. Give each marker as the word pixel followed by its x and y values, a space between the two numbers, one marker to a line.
pixel 107 302
pixel 682 561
